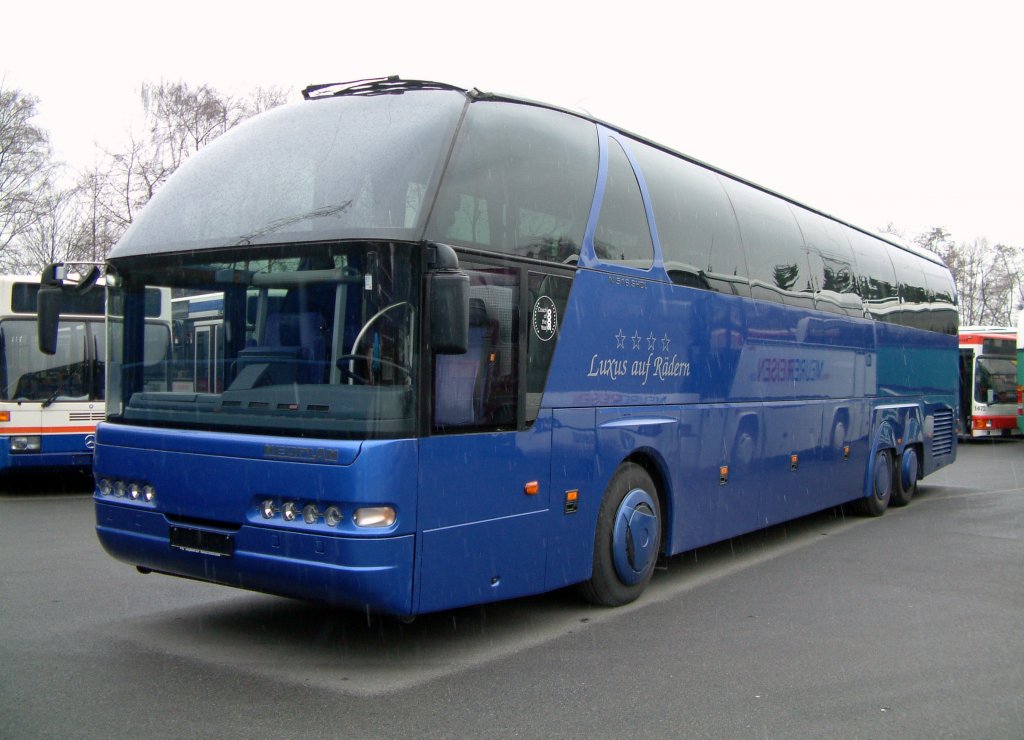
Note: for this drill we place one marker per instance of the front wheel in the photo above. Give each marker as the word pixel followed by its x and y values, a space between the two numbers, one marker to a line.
pixel 627 539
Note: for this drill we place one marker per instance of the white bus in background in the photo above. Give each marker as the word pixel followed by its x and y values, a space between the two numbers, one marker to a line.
pixel 988 381
pixel 1020 374
pixel 50 405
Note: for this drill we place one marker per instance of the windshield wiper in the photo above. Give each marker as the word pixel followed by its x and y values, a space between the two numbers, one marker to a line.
pixel 392 85
pixel 63 384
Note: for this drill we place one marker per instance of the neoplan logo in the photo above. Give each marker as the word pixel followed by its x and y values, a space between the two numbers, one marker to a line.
pixel 300 454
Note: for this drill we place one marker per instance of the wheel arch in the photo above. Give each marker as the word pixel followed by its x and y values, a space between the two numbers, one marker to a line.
pixel 656 467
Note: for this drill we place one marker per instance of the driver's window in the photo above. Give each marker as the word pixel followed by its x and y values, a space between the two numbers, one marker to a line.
pixel 477 390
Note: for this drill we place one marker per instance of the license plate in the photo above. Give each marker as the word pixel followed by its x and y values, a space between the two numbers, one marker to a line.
pixel 201 541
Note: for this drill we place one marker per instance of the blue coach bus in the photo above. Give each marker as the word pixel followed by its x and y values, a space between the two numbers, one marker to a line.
pixel 510 348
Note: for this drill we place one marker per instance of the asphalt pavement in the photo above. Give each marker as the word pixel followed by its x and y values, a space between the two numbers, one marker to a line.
pixel 909 626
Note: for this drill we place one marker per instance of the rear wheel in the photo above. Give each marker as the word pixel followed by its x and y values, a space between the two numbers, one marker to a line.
pixel 904 479
pixel 627 538
pixel 881 485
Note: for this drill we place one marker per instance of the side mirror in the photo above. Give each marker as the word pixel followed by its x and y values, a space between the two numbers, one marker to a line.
pixel 51 286
pixel 449 313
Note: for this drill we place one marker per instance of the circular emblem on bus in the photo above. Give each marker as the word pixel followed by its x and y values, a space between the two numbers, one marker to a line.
pixel 545 318
pixel 90 441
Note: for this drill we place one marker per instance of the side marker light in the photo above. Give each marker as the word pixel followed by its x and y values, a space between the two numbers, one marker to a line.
pixel 572 499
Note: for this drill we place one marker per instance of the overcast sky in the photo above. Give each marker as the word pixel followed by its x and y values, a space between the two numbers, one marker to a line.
pixel 903 112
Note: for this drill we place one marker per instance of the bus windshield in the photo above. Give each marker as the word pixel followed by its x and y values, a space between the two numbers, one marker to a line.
pixel 301 341
pixel 995 380
pixel 74 373
pixel 358 166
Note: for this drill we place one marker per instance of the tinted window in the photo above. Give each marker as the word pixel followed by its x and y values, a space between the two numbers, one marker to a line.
pixel 773 244
pixel 521 182
pixel 876 278
pixel 914 310
pixel 831 263
pixel 548 296
pixel 695 222
pixel 90 303
pixel 623 234
pixel 942 294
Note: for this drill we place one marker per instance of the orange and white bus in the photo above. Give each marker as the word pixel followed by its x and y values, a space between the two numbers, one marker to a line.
pixel 988 382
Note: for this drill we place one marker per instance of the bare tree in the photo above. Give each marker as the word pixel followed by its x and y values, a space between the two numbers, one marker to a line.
pixel 25 165
pixel 179 121
pixel 53 234
pixel 987 277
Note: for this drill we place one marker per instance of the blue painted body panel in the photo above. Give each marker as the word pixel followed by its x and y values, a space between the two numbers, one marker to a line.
pixel 216 482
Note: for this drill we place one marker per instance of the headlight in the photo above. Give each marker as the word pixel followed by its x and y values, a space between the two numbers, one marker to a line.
pixel 332 516
pixel 26 443
pixel 267 509
pixel 106 487
pixel 134 491
pixel 374 516
pixel 149 493
pixel 289 511
pixel 310 515
pixel 119 488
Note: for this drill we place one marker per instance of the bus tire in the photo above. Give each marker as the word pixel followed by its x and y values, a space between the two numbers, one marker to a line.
pixel 904 478
pixel 877 501
pixel 627 538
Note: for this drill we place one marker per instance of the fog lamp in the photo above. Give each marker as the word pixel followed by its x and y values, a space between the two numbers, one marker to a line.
pixel 332 516
pixel 374 516
pixel 267 509
pixel 289 511
pixel 25 443
pixel 310 514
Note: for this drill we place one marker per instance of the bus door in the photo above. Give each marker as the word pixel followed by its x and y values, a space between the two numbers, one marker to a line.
pixel 485 467
pixel 966 390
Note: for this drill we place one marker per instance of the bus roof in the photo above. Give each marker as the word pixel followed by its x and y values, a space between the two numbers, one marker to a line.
pixel 394 85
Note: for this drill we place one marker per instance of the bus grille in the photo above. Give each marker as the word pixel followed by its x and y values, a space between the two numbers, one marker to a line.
pixel 86 416
pixel 942 437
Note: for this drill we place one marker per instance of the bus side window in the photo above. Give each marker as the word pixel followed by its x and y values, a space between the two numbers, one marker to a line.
pixel 832 265
pixel 876 277
pixel 696 223
pixel 773 244
pixel 548 297
pixel 623 234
